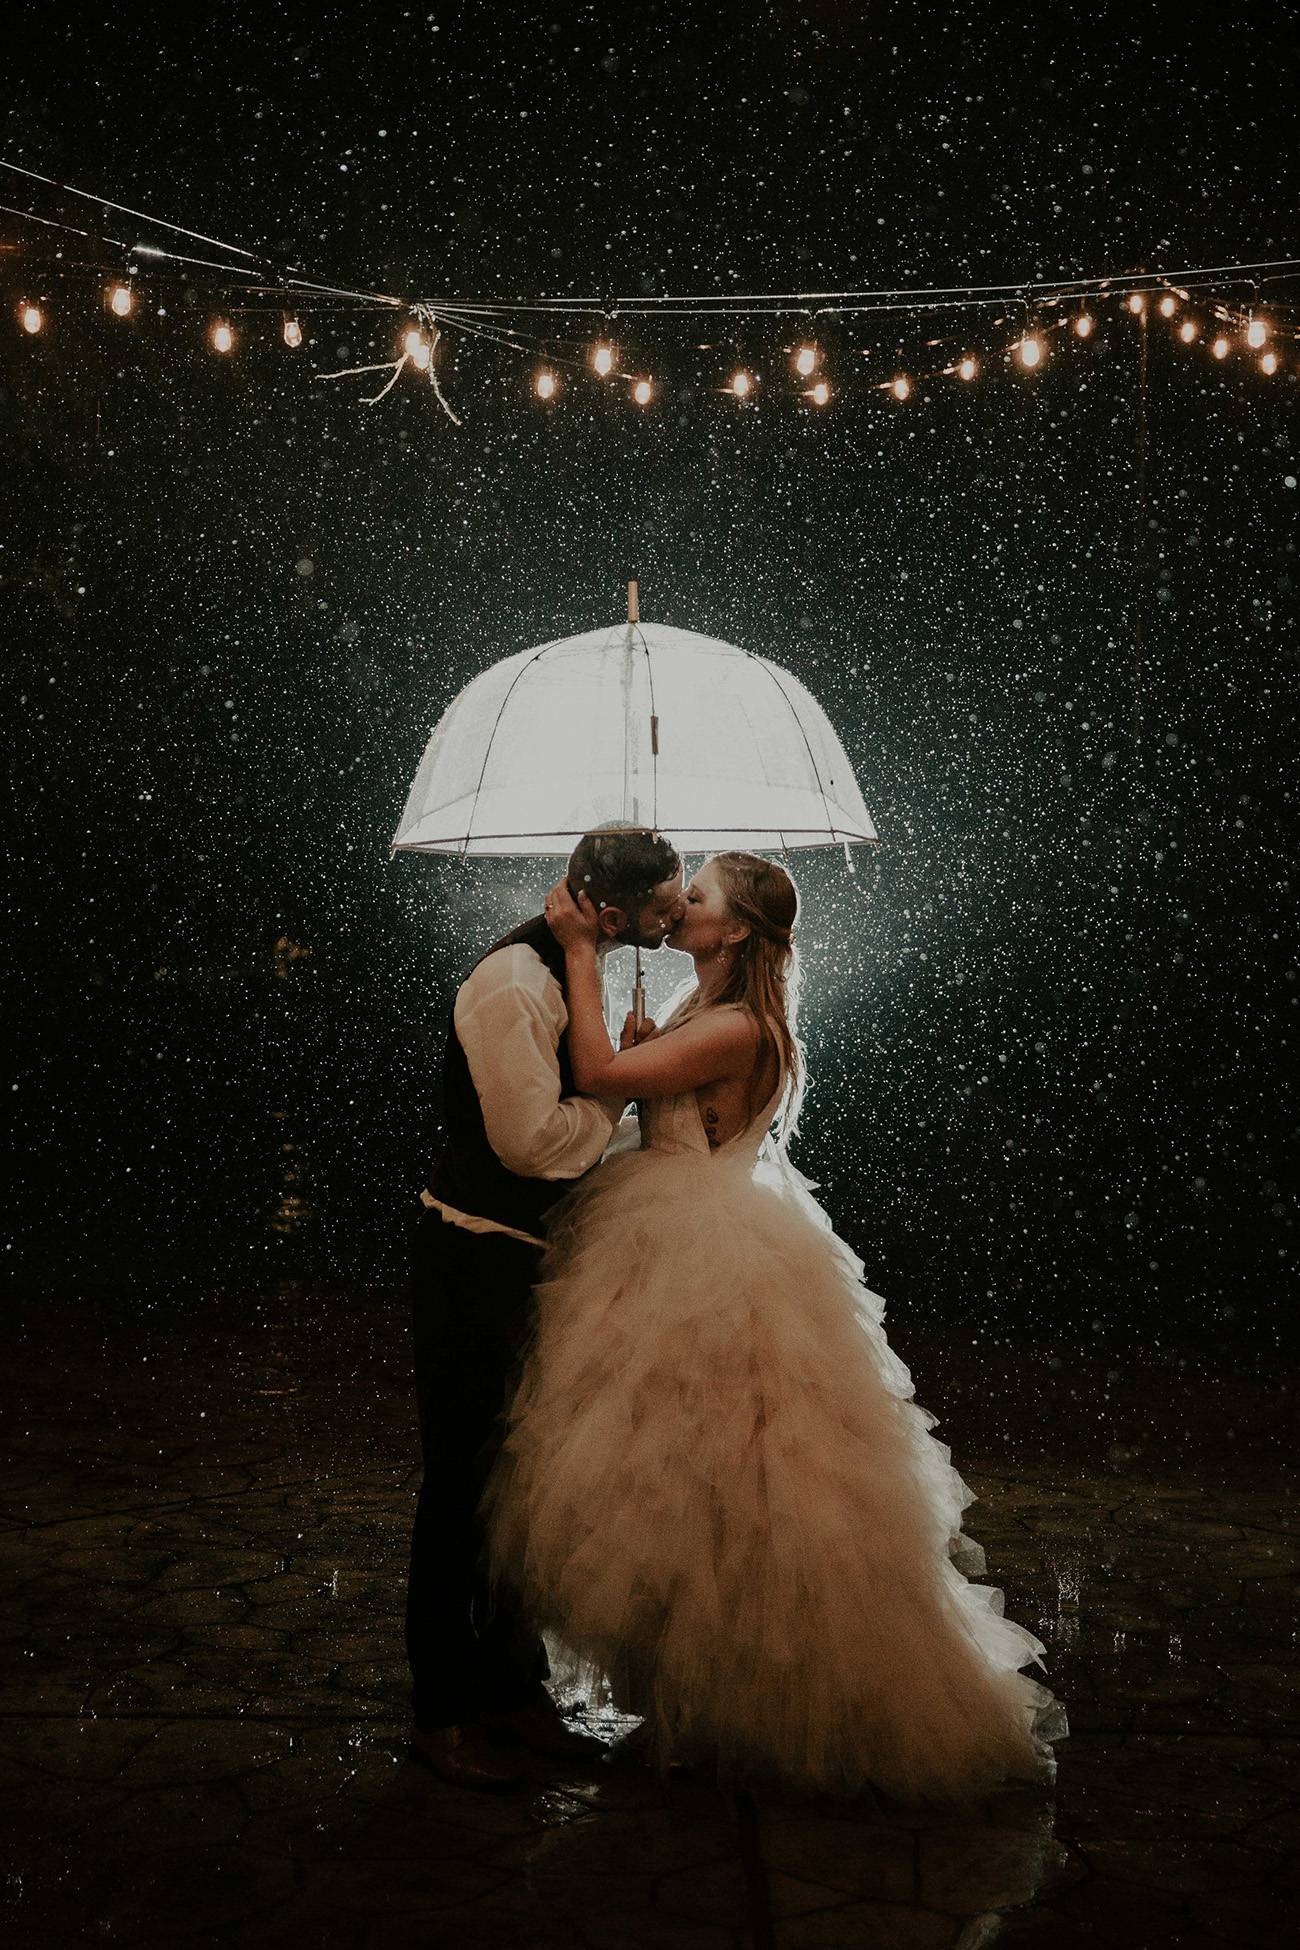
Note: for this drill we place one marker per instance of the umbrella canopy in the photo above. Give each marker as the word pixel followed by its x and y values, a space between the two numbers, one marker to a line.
pixel 704 742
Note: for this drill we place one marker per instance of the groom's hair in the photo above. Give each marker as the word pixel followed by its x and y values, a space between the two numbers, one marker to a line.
pixel 620 865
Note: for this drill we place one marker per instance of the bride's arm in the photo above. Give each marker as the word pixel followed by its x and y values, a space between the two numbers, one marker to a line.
pixel 717 1044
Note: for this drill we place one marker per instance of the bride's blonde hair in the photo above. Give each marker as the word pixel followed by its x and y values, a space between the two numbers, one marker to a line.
pixel 764 973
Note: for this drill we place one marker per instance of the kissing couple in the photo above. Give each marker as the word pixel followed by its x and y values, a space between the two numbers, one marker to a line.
pixel 659 1415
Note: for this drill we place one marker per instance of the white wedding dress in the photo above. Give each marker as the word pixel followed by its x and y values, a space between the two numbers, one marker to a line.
pixel 716 1489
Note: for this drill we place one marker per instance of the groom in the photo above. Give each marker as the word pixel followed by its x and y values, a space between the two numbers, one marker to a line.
pixel 515 1138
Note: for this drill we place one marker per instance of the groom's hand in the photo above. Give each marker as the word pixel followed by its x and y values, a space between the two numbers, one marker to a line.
pixel 629 1039
pixel 571 921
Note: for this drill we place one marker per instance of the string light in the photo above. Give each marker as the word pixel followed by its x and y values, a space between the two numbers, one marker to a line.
pixel 416 347
pixel 1032 349
pixel 1026 298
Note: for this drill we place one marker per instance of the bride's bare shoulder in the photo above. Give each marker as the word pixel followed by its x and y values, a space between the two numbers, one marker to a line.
pixel 742 1027
pixel 715 1013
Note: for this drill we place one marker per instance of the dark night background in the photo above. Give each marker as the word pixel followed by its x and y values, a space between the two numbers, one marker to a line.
pixel 1050 1022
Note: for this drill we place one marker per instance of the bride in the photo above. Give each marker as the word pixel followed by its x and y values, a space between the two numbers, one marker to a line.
pixel 715 1485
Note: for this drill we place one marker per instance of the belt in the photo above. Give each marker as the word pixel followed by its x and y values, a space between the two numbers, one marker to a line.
pixel 470 1222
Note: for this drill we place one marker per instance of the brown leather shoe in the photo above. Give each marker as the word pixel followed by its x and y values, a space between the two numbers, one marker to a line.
pixel 466 1758
pixel 541 1728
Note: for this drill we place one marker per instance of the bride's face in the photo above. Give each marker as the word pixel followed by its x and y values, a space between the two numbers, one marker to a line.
pixel 707 924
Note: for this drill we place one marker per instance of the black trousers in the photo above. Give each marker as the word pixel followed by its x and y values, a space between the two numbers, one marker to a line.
pixel 471 1649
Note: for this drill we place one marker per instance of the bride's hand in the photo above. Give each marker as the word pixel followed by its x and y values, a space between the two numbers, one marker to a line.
pixel 570 921
pixel 629 1039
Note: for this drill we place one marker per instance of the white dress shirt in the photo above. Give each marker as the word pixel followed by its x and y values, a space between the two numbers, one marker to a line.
pixel 509 1017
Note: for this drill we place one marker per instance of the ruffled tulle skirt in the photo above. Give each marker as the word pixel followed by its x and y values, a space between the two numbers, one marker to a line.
pixel 716 1489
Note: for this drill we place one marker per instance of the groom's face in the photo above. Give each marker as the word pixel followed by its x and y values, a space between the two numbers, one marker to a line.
pixel 647 927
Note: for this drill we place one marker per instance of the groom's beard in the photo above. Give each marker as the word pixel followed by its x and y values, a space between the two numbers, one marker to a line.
pixel 632 938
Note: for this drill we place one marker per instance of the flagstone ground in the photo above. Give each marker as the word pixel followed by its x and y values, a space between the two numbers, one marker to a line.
pixel 205 1511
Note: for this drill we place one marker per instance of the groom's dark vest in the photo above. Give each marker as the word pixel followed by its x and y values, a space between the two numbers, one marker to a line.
pixel 469 1174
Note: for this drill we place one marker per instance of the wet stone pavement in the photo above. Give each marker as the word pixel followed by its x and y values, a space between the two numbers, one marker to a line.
pixel 205 1508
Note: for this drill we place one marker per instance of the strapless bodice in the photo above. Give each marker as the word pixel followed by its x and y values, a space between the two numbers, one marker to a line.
pixel 674 1124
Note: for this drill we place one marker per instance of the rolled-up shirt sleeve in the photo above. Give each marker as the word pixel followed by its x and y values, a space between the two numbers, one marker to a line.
pixel 510 1015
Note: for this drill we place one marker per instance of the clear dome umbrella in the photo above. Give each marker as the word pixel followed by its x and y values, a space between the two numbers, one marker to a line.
pixel 706 743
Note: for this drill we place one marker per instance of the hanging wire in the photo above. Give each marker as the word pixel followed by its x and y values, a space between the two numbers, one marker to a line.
pixel 72 229
pixel 700 304
pixel 236 278
pixel 893 297
pixel 124 209
pixel 432 368
pixel 257 278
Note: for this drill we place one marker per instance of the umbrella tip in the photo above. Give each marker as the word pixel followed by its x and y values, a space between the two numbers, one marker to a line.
pixel 633 604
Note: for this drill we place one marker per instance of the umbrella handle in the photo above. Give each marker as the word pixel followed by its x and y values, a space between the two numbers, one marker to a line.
pixel 638 998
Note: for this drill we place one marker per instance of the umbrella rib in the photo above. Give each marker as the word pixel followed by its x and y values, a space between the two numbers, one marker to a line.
pixel 654 736
pixel 540 651
pixel 826 806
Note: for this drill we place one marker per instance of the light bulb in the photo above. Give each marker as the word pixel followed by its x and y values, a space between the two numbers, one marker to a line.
pixel 642 392
pixel 740 385
pixel 1167 307
pixel 1220 348
pixel 1187 331
pixel 821 392
pixel 1269 362
pixel 31 318
pixel 119 299
pixel 602 359
pixel 967 368
pixel 1137 303
pixel 412 342
pixel 222 337
pixel 292 332
pixel 1256 332
pixel 420 356
pixel 900 389
pixel 1030 352
pixel 806 361
pixel 545 385
pixel 1083 325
